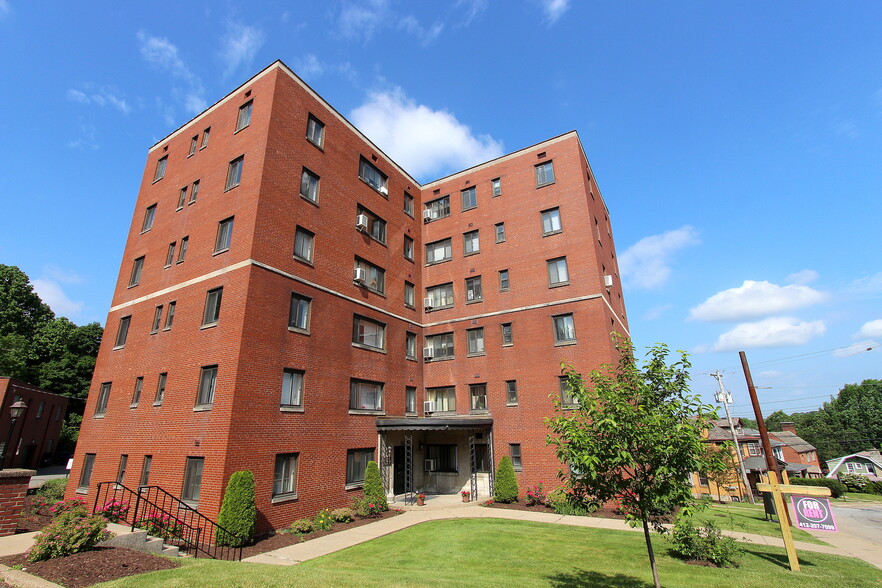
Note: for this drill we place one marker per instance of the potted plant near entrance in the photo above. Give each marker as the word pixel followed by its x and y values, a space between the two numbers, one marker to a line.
pixel 466 495
pixel 421 499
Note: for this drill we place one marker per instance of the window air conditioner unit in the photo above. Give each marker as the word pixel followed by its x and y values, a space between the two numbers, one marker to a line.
pixel 428 352
pixel 470 295
pixel 361 222
pixel 427 215
pixel 608 281
pixel 428 303
pixel 428 406
pixel 384 190
pixel 429 465
pixel 360 275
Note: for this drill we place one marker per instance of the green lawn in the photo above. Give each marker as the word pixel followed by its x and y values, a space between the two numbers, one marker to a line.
pixel 859 497
pixel 493 552
pixel 749 518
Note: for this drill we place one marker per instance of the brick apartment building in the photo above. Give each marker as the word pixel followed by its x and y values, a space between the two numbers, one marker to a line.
pixel 292 302
pixel 35 436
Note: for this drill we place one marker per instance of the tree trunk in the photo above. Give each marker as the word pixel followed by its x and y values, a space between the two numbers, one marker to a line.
pixel 651 553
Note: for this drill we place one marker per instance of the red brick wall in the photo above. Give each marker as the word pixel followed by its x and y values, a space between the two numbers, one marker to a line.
pixel 39 433
pixel 13 488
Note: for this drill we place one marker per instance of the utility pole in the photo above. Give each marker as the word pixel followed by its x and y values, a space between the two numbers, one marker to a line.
pixel 725 397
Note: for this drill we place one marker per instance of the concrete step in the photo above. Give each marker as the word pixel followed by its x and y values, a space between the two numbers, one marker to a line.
pixel 171 551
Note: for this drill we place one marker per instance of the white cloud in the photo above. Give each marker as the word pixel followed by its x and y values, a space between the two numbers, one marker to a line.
pixel 58 274
pixel 52 294
pixel 754 300
pixel 779 331
pixel 870 285
pixel 241 44
pixel 422 140
pixel 100 96
pixel 803 277
pixel 856 348
pixel 426 36
pixel 846 128
pixel 473 9
pixel 86 140
pixel 554 9
pixel 361 21
pixel 162 54
pixel 309 66
pixel 870 329
pixel 657 311
pixel 647 263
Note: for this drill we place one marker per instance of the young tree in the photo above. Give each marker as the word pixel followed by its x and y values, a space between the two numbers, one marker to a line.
pixel 724 466
pixel 635 436
pixel 238 513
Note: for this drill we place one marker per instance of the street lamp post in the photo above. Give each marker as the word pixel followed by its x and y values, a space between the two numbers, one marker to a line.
pixel 15 411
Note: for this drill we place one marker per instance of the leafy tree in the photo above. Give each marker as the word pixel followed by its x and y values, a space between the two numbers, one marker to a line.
pixel 635 436
pixel 238 513
pixel 724 467
pixel 505 487
pixel 373 486
pixel 21 309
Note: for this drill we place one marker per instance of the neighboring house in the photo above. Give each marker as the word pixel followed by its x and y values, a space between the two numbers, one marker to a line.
pixel 797 451
pixel 864 463
pixel 35 437
pixel 293 302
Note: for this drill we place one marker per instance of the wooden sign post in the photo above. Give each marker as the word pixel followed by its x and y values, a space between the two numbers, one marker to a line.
pixel 778 490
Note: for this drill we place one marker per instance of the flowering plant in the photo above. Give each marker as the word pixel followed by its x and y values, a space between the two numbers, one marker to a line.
pixel 536 496
pixel 113 510
pixel 323 520
pixel 466 493
pixel 421 496
pixel 72 532
pixel 161 525
pixel 72 504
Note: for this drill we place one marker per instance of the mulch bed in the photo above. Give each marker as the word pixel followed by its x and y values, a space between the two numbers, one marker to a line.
pixel 32 518
pixel 607 512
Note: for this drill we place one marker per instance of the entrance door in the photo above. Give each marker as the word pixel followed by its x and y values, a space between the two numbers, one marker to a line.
pixel 398 469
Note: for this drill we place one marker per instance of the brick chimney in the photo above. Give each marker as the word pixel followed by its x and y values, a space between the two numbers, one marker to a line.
pixel 789 427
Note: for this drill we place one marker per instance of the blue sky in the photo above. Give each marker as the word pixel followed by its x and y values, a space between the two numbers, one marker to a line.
pixel 737 145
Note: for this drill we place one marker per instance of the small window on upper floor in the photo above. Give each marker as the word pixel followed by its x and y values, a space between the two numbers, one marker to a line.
pixel 500 232
pixel 160 168
pixel 234 172
pixel 103 397
pixel 469 198
pixel 507 335
pixel 193 192
pixel 496 187
pixel 370 174
pixel 368 333
pixel 315 131
pixel 205 135
pixel 408 204
pixel 170 316
pixel 182 198
pixel 194 142
pixel 211 314
pixel 368 222
pixel 370 276
pixel 410 347
pixel 157 319
pixel 551 221
pixel 545 173
pixel 503 281
pixel 170 256
pixel 303 244
pixel 224 235
pixel 564 329
pixel 207 386
pixel 298 315
pixel 137 267
pixel 557 272
pixel 438 251
pixel 149 215
pixel 440 296
pixel 244 116
pixel 408 248
pixel 292 388
pixel 182 252
pixel 474 292
pixel 409 295
pixel 309 185
pixel 438 208
pixel 471 243
pixel 122 332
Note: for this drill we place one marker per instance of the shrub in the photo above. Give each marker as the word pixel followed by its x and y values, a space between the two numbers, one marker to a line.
pixel 53 489
pixel 323 521
pixel 343 515
pixel 159 524
pixel 373 486
pixel 505 488
pixel 238 513
pixel 705 543
pixel 71 532
pixel 536 496
pixel 873 488
pixel 854 482
pixel 72 504
pixel 114 510
pixel 571 503
pixel 301 526
pixel 836 487
pixel 366 508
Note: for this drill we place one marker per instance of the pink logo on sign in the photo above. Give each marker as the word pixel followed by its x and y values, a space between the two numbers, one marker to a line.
pixel 813 513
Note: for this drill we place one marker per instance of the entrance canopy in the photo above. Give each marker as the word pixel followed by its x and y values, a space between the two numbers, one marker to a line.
pixel 452 423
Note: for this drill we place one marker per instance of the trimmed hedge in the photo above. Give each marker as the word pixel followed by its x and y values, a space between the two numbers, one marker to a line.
pixel 238 512
pixel 835 486
pixel 373 486
pixel 505 487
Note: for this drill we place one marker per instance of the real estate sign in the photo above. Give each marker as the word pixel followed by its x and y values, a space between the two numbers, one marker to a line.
pixel 813 512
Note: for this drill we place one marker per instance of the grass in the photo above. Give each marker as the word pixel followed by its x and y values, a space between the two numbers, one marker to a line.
pixel 859 497
pixel 494 552
pixel 747 518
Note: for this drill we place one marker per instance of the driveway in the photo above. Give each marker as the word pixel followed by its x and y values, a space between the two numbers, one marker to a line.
pixel 861 520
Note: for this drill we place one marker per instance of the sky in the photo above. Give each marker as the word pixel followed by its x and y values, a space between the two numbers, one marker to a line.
pixel 738 146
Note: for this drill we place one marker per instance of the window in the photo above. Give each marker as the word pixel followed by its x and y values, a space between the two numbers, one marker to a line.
pixel 438 208
pixel 137 266
pixel 136 395
pixel 440 296
pixel 149 215
pixel 298 316
pixel 408 204
pixel 551 221
pixel 211 314
pixel 444 398
pixel 511 392
pixel 564 329
pixel 207 384
pixel 778 452
pixel 224 235
pixel 192 479
pixel 145 469
pixel 409 294
pixel 194 192
pixel 410 345
pixel 850 466
pixel 496 187
pixel 315 131
pixel 356 464
pixel 408 248
pixel 157 319
pixel 234 172
pixel 122 332
pixel 376 179
pixel 503 281
pixel 205 135
pixel 438 251
pixel 170 256
pixel 544 174
pixel 469 198
pixel 566 396
pixel 103 396
pixel 292 388
pixel 507 335
pixel 410 400
pixel 364 395
pixel 285 476
pixel 443 457
pixel 194 142
pixel 244 116
pixel 475 339
pixel 170 316
pixel 753 449
pixel 160 388
pixel 478 396
pixel 557 272
pixel 303 243
pixel 374 277
pixel 160 168
pixel 514 450
pixel 368 333
pixel 702 479
pixel 182 197
pixel 473 290
pixel 86 472
pixel 121 470
pixel 500 232
pixel 183 251
pixel 441 345
pixel 309 185
pixel 376 227
pixel 471 243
